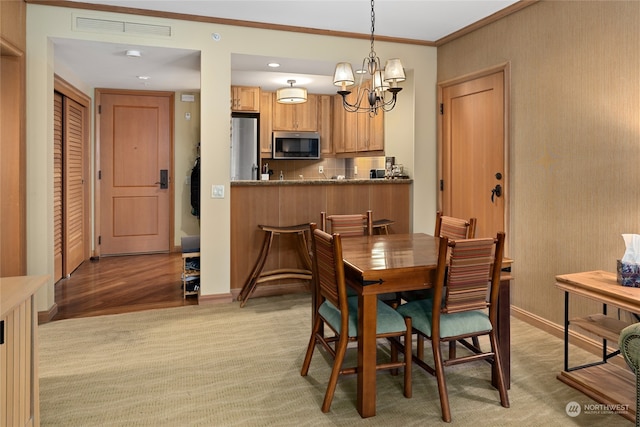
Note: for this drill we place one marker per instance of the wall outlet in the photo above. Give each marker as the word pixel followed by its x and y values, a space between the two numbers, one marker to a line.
pixel 320 169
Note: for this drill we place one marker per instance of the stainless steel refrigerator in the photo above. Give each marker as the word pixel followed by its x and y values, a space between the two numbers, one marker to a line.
pixel 244 147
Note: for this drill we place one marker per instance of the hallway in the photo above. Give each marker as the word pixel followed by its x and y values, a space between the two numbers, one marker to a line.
pixel 122 284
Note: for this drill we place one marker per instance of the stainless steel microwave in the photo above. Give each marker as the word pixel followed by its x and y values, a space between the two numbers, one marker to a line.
pixel 296 145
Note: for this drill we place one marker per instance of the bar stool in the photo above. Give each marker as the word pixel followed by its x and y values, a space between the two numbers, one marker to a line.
pixel 257 276
pixel 381 226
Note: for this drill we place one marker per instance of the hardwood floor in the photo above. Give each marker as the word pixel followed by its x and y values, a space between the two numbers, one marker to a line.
pixel 122 284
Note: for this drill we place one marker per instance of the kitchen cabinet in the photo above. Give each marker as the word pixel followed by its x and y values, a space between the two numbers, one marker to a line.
pixel 357 132
pixel 325 120
pixel 296 117
pixel 266 123
pixel 245 99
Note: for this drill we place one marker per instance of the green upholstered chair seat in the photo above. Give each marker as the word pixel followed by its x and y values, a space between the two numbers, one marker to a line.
pixel 388 319
pixel 451 325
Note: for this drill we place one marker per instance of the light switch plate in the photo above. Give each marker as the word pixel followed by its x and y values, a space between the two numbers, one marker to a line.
pixel 217 191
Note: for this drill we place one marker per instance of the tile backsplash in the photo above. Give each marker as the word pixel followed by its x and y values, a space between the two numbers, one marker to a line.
pixel 332 167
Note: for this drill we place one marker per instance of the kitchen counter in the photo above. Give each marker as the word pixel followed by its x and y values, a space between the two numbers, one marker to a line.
pixel 321 182
pixel 292 202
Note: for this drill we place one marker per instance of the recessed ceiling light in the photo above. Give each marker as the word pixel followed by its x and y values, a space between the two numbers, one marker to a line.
pixel 361 71
pixel 134 53
pixel 144 77
pixel 273 64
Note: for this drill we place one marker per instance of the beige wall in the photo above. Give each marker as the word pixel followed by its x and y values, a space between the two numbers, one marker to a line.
pixel 412 124
pixel 575 138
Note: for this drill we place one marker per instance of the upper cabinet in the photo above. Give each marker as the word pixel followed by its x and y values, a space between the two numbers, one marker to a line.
pixel 266 123
pixel 296 117
pixel 356 133
pixel 245 99
pixel 325 123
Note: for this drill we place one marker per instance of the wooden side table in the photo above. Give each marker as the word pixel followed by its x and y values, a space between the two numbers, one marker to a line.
pixel 257 276
pixel 604 382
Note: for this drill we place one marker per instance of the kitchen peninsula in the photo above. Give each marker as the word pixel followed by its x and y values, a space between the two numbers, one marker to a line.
pixel 291 202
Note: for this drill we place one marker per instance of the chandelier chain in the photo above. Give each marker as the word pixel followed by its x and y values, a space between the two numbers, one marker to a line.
pixel 373 29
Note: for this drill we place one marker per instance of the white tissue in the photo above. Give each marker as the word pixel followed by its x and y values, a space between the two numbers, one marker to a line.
pixel 632 253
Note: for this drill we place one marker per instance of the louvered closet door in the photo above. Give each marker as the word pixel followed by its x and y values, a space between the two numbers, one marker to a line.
pixel 73 184
pixel 57 185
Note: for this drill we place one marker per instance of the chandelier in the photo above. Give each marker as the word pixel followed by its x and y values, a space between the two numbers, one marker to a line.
pixel 381 91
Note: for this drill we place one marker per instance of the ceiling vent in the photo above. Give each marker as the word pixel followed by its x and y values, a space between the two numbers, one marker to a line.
pixel 113 26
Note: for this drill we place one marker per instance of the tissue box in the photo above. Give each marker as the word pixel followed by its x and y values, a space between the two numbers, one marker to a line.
pixel 628 274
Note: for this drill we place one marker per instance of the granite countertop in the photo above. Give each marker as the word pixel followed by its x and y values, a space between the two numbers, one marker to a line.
pixel 322 182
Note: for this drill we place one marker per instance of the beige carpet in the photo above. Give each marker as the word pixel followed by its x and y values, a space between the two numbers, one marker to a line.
pixel 222 365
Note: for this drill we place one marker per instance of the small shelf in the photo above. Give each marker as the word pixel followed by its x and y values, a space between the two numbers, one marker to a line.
pixel 188 272
pixel 601 325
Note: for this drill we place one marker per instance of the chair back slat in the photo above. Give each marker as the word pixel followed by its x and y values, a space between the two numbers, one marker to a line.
pixel 348 225
pixel 324 257
pixel 454 228
pixel 469 274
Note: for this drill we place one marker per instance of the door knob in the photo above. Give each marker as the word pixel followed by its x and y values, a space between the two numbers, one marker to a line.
pixel 496 192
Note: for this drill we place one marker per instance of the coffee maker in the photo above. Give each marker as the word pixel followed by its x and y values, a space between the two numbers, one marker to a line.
pixel 388 166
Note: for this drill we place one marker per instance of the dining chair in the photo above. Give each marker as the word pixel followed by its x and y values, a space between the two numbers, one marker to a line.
pixel 340 313
pixel 472 274
pixel 353 225
pixel 453 228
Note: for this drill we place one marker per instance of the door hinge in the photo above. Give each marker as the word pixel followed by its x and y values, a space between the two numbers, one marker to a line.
pixel 99 174
pixel 441 108
pixel 441 185
pixel 99 240
pixel 1 332
pixel 99 109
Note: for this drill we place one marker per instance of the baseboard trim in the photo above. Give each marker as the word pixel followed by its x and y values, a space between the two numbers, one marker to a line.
pixel 47 316
pixel 575 338
pixel 215 299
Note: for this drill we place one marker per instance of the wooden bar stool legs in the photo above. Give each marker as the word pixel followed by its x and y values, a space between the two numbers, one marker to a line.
pixel 257 276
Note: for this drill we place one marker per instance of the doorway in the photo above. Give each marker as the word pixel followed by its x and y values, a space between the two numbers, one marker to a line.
pixel 473 149
pixel 135 170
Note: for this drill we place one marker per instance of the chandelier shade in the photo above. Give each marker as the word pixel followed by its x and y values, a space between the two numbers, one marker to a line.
pixel 291 95
pixel 380 89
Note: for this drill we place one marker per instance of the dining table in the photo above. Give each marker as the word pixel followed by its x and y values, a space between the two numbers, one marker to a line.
pixel 383 264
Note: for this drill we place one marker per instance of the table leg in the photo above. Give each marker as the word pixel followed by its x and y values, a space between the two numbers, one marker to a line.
pixel 504 333
pixel 367 310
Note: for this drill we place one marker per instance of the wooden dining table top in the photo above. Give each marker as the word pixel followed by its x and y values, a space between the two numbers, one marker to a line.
pixel 392 263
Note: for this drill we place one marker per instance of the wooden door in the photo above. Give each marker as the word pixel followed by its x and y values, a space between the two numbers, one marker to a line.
pixel 473 151
pixel 135 147
pixel 74 142
pixel 70 178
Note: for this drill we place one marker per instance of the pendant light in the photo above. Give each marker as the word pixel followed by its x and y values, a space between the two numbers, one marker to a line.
pixel 372 96
pixel 291 95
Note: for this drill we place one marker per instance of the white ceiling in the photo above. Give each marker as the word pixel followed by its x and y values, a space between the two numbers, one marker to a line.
pixel 105 65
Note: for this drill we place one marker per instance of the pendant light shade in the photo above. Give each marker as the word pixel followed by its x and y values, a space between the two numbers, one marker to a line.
pixel 291 95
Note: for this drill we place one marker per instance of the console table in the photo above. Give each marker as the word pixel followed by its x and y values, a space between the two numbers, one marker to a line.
pixel 604 382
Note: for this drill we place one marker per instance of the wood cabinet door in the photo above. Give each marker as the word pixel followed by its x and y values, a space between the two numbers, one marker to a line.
pixel 266 123
pixel 306 114
pixel 375 132
pixel 284 116
pixel 338 124
pixel 245 98
pixel 325 119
